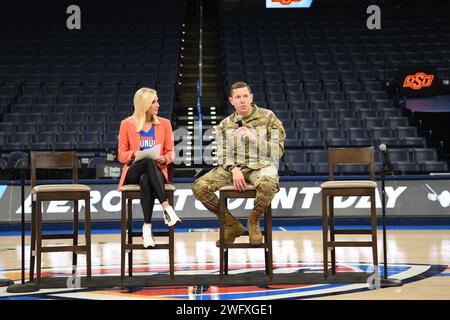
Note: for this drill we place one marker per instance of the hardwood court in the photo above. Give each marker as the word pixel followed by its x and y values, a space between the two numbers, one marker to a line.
pixel 197 252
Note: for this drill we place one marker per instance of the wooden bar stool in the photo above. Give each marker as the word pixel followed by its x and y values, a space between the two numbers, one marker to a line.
pixel 40 193
pixel 129 193
pixel 331 188
pixel 228 192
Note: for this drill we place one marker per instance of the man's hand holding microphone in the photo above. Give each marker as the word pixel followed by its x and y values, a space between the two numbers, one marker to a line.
pixel 243 133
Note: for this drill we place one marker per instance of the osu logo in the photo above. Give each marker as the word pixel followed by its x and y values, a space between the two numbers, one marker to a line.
pixel 286 2
pixel 418 81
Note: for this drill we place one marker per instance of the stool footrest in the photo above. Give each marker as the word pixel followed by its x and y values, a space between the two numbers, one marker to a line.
pixel 245 245
pixel 77 249
pixel 138 234
pixel 349 244
pixel 57 236
pixel 352 231
pixel 138 246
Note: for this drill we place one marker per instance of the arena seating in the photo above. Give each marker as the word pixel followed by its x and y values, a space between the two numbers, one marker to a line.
pixel 333 84
pixel 62 90
pixel 331 81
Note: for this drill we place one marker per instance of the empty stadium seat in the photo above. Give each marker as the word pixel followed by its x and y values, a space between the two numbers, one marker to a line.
pixel 423 154
pixel 292 156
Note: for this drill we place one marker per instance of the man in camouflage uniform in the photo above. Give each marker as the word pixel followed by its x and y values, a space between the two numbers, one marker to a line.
pixel 246 154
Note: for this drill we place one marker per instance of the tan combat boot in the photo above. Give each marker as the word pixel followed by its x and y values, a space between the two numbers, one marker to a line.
pixel 254 233
pixel 233 229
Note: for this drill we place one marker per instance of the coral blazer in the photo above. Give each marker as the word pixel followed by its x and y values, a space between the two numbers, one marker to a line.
pixel 129 142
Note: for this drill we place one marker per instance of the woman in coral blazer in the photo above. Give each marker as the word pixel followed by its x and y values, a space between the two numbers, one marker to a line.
pixel 143 130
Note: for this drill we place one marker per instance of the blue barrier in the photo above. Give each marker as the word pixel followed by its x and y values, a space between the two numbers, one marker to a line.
pixel 282 178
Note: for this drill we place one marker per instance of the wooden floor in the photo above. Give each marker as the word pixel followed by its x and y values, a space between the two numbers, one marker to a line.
pixel 431 247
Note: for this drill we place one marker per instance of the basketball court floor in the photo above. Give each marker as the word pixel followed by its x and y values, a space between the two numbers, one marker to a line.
pixel 417 255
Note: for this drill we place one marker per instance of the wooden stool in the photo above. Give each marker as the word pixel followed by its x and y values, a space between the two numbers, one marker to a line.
pixel 227 192
pixel 129 193
pixel 333 188
pixel 58 161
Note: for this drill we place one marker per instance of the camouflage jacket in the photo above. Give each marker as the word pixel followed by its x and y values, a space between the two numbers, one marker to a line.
pixel 269 147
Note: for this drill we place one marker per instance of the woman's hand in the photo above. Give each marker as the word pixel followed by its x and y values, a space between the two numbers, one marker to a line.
pixel 133 157
pixel 161 160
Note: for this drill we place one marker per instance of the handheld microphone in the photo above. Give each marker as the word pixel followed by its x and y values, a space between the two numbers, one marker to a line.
pixel 386 160
pixel 239 120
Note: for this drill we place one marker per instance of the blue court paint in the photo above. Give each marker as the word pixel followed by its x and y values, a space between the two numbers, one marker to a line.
pixel 286 228
pixel 442 275
pixel 405 227
pixel 20 298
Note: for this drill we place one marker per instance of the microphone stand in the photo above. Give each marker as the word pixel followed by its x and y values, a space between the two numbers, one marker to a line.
pixel 386 282
pixel 22 224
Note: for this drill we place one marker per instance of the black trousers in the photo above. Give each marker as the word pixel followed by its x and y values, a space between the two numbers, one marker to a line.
pixel 146 173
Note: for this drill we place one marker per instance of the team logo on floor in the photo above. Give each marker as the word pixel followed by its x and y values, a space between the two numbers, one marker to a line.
pixel 405 272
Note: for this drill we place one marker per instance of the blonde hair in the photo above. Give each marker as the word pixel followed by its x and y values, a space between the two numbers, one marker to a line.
pixel 143 98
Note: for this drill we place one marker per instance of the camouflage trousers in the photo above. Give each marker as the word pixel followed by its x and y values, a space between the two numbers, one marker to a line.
pixel 265 180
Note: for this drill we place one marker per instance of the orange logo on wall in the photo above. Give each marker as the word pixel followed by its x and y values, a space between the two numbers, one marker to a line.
pixel 286 2
pixel 418 81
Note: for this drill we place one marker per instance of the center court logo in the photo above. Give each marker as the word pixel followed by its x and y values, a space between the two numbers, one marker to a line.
pixel 288 3
pixel 418 81
pixel 406 272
